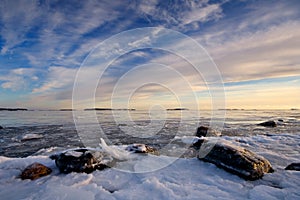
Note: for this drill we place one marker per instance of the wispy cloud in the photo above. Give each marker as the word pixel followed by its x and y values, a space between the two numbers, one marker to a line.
pixel 18 79
pixel 55 31
pixel 266 43
pixel 180 13
pixel 58 78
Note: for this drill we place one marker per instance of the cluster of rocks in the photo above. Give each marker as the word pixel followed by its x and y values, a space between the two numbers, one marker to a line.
pixel 234 159
pixel 81 160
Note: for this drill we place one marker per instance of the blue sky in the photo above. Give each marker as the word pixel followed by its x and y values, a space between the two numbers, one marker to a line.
pixel 255 45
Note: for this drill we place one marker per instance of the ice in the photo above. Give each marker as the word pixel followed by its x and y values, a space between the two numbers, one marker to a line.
pixel 178 179
pixel 187 139
pixel 113 151
pixel 30 136
pixel 73 153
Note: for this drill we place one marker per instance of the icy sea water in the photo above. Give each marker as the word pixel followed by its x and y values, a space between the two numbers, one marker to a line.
pixel 29 132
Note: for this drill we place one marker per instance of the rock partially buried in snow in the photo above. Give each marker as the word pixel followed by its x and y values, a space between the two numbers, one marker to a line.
pixel 270 123
pixel 234 159
pixel 1 127
pixel 82 160
pixel 293 166
pixel 142 148
pixel 34 171
pixel 204 131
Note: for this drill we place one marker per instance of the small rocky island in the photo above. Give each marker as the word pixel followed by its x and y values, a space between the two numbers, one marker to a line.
pixel 13 109
pixel 108 109
pixel 176 109
pixel 66 109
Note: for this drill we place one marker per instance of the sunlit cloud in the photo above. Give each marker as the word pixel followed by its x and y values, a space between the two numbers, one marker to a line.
pixel 43 45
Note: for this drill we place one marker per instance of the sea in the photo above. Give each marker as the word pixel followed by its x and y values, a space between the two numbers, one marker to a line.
pixel 27 133
pixel 31 136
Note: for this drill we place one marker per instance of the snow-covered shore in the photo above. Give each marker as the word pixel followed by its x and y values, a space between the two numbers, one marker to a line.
pixel 183 179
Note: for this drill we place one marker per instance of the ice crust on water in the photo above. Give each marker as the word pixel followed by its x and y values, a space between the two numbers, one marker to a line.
pixel 30 136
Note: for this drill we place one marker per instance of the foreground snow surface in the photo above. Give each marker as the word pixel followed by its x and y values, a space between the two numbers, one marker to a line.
pixel 183 179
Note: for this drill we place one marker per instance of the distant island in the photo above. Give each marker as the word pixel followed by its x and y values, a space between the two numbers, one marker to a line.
pixel 66 109
pixel 174 109
pixel 232 109
pixel 107 109
pixel 13 109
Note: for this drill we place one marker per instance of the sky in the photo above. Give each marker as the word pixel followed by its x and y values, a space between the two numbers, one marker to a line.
pixel 254 47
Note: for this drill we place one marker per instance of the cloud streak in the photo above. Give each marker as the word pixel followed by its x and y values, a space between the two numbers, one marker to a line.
pixel 44 43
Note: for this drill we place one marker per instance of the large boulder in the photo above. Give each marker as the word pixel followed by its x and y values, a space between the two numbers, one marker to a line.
pixel 293 166
pixel 82 160
pixel 270 123
pixel 34 171
pixel 1 127
pixel 234 159
pixel 142 148
pixel 204 131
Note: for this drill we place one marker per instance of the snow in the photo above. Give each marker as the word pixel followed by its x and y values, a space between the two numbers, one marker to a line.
pixel 174 179
pixel 73 153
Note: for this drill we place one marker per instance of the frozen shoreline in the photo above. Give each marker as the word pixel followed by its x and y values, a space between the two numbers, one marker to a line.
pixel 183 179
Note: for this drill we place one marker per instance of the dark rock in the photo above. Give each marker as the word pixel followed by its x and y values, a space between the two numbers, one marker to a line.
pixel 280 120
pixel 176 109
pixel 236 160
pixel 34 171
pixel 1 127
pixel 142 148
pixel 201 131
pixel 268 124
pixel 82 160
pixel 196 145
pixel 293 166
pixel 204 131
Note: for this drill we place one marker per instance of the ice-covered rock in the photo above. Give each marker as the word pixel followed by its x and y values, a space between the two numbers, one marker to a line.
pixel 34 171
pixel 82 160
pixel 293 166
pixel 234 159
pixel 270 123
pixel 142 148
